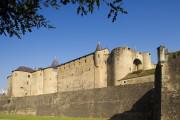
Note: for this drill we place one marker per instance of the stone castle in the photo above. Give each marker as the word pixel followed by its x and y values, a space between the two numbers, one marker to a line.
pixel 98 69
pixel 119 85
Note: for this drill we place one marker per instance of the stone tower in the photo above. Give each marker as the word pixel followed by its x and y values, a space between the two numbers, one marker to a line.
pixel 124 60
pixel 50 76
pixel 100 60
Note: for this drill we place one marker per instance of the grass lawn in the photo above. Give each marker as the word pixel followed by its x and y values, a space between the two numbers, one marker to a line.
pixel 22 117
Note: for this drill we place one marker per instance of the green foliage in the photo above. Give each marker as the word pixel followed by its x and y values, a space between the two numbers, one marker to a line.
pixel 22 117
pixel 88 6
pixel 20 16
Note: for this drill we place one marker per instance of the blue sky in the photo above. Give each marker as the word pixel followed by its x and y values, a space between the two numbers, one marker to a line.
pixel 148 24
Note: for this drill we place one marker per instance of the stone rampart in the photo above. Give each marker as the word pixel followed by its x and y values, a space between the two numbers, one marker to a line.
pixel 127 102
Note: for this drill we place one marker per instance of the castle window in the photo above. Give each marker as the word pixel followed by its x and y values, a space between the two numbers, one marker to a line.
pixel 29 76
pixel 85 60
pixel 27 82
pixel 9 101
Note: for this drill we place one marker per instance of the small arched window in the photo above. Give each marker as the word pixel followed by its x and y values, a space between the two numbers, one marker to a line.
pixel 29 76
pixel 137 64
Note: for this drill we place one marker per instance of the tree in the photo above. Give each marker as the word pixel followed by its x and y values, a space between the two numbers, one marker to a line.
pixel 20 16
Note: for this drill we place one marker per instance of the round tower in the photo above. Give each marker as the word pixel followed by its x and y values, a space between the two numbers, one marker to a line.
pixel 147 64
pixel 50 80
pixel 98 55
pixel 161 53
pixel 50 75
pixel 100 61
pixel 121 63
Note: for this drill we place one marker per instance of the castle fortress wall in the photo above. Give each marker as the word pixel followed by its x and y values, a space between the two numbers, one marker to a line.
pixel 130 102
pixel 95 70
pixel 139 99
pixel 168 85
pixel 83 73
pixel 72 76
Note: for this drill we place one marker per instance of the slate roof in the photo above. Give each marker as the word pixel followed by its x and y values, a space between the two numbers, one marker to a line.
pixel 99 47
pixel 24 69
pixel 55 63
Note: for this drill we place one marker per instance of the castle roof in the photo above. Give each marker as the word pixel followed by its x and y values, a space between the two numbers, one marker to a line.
pixel 8 76
pixel 99 47
pixel 55 62
pixel 24 69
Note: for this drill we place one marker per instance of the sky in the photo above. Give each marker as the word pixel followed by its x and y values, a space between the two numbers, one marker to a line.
pixel 148 24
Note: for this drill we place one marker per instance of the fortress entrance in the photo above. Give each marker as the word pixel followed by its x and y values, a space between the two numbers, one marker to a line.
pixel 137 65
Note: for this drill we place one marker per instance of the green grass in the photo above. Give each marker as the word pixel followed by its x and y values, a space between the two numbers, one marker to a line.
pixel 140 73
pixel 23 117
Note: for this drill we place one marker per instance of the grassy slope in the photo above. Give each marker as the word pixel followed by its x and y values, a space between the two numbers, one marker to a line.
pixel 22 117
pixel 140 73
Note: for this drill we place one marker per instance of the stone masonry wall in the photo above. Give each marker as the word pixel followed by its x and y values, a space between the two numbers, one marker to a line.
pixel 138 80
pixel 73 76
pixel 130 102
pixel 170 92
